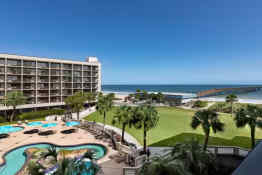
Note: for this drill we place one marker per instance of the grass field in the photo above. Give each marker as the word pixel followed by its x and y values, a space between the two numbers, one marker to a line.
pixel 174 126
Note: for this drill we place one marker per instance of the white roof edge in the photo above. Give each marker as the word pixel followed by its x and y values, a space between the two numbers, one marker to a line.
pixel 34 58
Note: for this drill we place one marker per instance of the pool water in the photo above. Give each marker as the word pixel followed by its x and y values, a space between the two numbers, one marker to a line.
pixel 35 124
pixel 8 129
pixel 47 125
pixel 16 158
pixel 73 123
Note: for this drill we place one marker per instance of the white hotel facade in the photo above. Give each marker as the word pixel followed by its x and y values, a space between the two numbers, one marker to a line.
pixel 47 82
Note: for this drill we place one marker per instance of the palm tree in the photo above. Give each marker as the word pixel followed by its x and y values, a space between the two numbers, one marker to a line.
pixel 105 104
pixel 145 117
pixel 90 97
pixel 14 99
pixel 160 165
pixel 183 159
pixel 123 116
pixel 51 151
pixel 76 102
pixel 207 119
pixel 251 116
pixel 232 98
pixel 194 158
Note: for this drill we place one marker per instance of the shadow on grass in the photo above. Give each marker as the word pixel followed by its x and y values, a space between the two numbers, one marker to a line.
pixel 238 141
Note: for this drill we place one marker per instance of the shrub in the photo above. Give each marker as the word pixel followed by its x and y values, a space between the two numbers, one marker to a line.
pixel 200 104
pixel 2 119
pixel 40 114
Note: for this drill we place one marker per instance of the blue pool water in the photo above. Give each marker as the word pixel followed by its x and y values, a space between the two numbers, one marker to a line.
pixel 16 158
pixel 73 123
pixel 35 124
pixel 47 125
pixel 8 129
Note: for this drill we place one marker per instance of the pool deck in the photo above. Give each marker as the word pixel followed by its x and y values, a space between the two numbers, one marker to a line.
pixel 17 139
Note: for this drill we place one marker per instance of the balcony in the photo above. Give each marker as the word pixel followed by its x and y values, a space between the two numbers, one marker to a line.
pixel 67 66
pixel 86 74
pixel 14 63
pixel 55 81
pixel 86 87
pixel 14 81
pixel 41 100
pixel 30 65
pixel 28 87
pixel 29 81
pixel 43 65
pixel 77 86
pixel 29 95
pixel 55 100
pixel 13 88
pixel 43 87
pixel 29 72
pixel 54 87
pixel 55 66
pixel 43 95
pixel 55 73
pixel 43 73
pixel 55 94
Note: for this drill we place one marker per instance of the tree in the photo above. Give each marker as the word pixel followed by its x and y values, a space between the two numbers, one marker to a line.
pixel 90 97
pixel 14 99
pixel 123 116
pixel 51 151
pixel 76 102
pixel 232 98
pixel 105 104
pixel 251 116
pixel 145 117
pixel 207 119
pixel 182 159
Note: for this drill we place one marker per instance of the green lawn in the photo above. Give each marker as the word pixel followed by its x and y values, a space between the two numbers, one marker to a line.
pixel 174 126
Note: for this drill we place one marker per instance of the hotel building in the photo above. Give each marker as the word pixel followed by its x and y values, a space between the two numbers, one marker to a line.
pixel 47 82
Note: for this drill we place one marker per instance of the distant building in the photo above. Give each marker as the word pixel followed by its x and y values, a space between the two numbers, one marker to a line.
pixel 173 100
pixel 47 82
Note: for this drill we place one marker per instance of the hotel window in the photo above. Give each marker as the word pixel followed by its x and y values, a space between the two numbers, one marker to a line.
pixel 77 74
pixel 78 67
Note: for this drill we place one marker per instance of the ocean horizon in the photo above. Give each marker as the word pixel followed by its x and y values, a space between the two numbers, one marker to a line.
pixel 186 90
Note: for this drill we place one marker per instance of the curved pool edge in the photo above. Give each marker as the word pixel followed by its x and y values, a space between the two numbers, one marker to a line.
pixel 28 157
pixel 15 125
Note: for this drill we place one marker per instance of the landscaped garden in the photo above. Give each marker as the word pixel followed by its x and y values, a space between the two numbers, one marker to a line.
pixel 174 126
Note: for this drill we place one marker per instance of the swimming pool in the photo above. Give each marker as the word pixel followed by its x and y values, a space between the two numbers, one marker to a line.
pixel 35 124
pixel 47 125
pixel 73 123
pixel 16 158
pixel 9 128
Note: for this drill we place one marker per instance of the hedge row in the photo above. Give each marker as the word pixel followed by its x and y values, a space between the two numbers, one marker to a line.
pixel 40 114
pixel 200 104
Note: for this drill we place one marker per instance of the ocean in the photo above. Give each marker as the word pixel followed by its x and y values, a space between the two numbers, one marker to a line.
pixel 186 90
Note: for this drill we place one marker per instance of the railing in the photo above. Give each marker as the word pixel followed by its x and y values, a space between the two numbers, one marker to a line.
pixel 219 150
pixel 228 150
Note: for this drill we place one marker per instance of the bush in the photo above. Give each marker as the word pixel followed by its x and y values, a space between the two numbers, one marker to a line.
pixel 2 119
pixel 200 104
pixel 40 114
pixel 226 107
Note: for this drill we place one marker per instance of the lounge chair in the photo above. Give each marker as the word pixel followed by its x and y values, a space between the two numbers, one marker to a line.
pixel 3 136
pixel 46 133
pixel 32 131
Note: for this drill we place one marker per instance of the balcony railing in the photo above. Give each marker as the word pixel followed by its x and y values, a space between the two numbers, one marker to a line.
pixel 29 81
pixel 29 87
pixel 29 65
pixel 54 87
pixel 55 94
pixel 14 81
pixel 42 95
pixel 29 72
pixel 43 81
pixel 44 88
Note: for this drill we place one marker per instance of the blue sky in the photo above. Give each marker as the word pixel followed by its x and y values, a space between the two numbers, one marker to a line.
pixel 142 41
